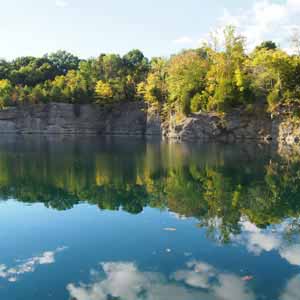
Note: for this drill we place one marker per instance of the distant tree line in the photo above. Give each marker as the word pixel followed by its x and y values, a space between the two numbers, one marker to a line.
pixel 216 77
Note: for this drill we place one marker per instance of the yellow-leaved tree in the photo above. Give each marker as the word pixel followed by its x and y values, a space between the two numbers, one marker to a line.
pixel 5 92
pixel 104 92
pixel 154 89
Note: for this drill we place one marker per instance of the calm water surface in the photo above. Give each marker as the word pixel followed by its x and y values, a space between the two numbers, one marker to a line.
pixel 92 219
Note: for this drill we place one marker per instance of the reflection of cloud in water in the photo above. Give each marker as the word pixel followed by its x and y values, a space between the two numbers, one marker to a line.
pixel 178 216
pixel 28 265
pixel 257 241
pixel 292 289
pixel 197 275
pixel 125 281
pixel 292 254
pixel 218 285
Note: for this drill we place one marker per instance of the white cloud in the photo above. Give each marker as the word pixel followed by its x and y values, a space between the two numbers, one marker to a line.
pixel 232 287
pixel 294 5
pixel 219 285
pixel 292 289
pixel 259 242
pixel 266 20
pixel 61 3
pixel 184 40
pixel 198 275
pixel 178 216
pixel 291 254
pixel 126 281
pixel 29 265
pixel 248 226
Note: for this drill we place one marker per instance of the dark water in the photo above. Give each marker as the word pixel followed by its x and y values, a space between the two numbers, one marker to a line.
pixel 92 219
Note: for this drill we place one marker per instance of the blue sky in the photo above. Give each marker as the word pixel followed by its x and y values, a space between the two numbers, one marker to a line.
pixel 157 27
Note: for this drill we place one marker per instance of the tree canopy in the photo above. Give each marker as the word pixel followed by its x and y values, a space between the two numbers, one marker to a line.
pixel 194 80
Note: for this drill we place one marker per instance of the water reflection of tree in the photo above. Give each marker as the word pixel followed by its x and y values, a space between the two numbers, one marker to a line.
pixel 216 185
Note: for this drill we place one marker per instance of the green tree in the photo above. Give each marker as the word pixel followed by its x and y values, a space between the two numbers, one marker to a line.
pixel 228 83
pixel 137 65
pixel 274 76
pixel 5 92
pixel 63 61
pixel 267 45
pixel 186 78
pixel 38 94
pixel 5 69
pixel 154 89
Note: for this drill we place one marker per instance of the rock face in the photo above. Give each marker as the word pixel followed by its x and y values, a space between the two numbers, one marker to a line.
pixel 289 132
pixel 135 118
pixel 60 118
pixel 214 127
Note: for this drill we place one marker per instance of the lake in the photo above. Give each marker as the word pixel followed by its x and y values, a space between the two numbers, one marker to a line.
pixel 92 218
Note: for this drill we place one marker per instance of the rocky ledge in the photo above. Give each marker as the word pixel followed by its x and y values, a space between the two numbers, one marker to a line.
pixel 61 118
pixel 136 119
pixel 227 128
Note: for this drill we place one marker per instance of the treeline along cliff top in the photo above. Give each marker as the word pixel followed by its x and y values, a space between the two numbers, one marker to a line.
pixel 209 78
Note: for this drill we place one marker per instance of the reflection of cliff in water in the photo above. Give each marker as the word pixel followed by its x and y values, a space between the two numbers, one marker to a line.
pixel 216 184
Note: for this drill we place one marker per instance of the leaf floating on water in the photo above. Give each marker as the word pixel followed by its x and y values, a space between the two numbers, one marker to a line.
pixel 170 229
pixel 247 278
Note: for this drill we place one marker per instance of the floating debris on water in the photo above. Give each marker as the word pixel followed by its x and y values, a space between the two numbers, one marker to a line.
pixel 247 278
pixel 170 229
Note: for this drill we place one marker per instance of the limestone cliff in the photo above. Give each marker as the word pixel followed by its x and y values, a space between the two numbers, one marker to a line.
pixel 60 118
pixel 135 118
pixel 216 127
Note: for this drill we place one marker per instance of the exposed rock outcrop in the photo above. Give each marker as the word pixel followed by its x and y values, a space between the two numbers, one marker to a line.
pixel 216 127
pixel 289 131
pixel 60 118
pixel 135 118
